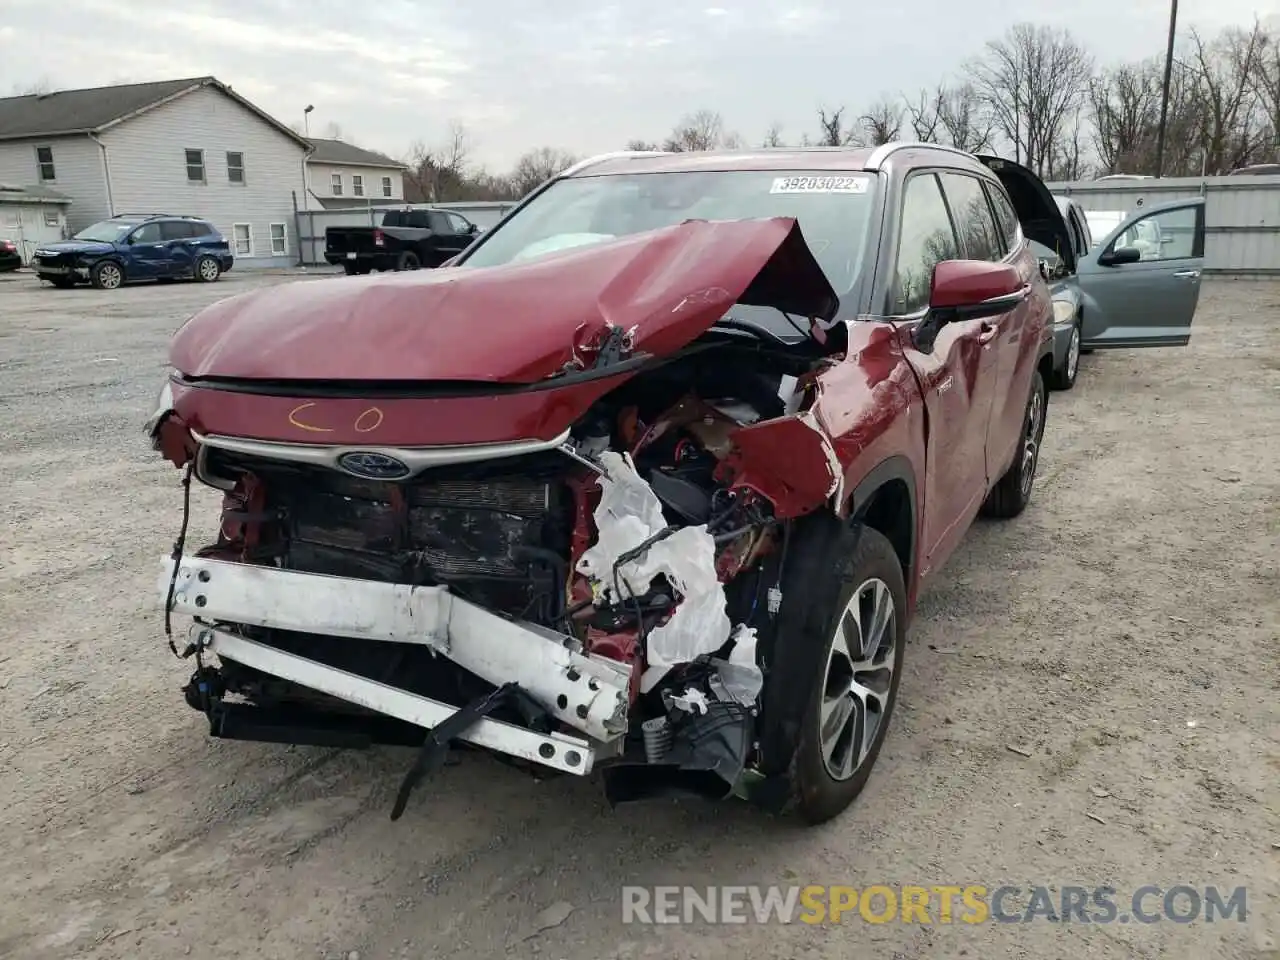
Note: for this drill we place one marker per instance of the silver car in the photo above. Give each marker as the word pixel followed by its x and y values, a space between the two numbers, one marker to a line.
pixel 1137 285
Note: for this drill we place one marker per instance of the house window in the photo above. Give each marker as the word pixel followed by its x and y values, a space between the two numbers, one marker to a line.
pixel 386 186
pixel 195 166
pixel 336 181
pixel 279 240
pixel 243 235
pixel 357 185
pixel 51 218
pixel 44 160
pixel 235 167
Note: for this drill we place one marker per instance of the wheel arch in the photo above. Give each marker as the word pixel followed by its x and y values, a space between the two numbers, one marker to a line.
pixel 886 500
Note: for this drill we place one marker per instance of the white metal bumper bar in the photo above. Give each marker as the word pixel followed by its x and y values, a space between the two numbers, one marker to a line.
pixel 570 754
pixel 585 692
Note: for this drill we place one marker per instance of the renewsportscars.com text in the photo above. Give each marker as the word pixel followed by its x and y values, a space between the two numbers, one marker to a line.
pixel 971 904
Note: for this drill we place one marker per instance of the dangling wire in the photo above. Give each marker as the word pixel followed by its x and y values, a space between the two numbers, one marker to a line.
pixel 178 546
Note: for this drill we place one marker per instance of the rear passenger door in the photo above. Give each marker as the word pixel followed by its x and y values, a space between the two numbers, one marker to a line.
pixel 1150 301
pixel 177 236
pixel 1015 335
pixel 957 376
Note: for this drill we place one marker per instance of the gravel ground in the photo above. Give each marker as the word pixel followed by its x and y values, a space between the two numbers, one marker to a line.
pixel 1123 634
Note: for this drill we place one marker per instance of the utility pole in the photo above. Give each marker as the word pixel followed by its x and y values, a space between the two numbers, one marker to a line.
pixel 1164 94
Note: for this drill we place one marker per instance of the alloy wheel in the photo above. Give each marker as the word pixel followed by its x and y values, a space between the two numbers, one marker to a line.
pixel 1073 354
pixel 859 675
pixel 110 276
pixel 1031 441
pixel 208 270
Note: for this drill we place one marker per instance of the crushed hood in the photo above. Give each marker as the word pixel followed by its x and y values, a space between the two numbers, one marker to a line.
pixel 516 323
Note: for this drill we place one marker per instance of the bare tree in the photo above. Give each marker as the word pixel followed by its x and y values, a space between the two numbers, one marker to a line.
pixel 1226 70
pixel 834 132
pixel 1124 111
pixel 1033 81
pixel 701 130
pixel 773 137
pixel 333 131
pixel 644 145
pixel 882 123
pixel 1266 86
pixel 951 115
pixel 536 167
pixel 438 173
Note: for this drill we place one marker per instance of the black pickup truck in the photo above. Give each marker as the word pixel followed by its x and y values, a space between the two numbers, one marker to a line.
pixel 408 239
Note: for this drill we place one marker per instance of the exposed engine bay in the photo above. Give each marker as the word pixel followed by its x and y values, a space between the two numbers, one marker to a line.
pixel 638 545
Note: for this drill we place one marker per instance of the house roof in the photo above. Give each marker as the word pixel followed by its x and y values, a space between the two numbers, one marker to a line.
pixel 344 154
pixel 93 109
pixel 9 193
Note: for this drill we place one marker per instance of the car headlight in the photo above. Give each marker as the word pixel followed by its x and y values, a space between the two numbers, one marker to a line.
pixel 164 404
pixel 1064 311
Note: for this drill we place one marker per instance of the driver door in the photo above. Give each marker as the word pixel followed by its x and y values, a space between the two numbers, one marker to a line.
pixel 148 253
pixel 1149 301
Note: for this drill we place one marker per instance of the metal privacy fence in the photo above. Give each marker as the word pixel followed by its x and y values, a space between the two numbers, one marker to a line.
pixel 313 223
pixel 1242 214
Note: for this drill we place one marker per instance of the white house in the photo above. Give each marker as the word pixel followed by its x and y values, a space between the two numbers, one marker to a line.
pixel 30 216
pixel 187 147
pixel 341 175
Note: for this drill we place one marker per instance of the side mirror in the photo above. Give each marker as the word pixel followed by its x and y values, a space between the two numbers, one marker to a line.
pixel 968 289
pixel 1119 255
pixel 473 230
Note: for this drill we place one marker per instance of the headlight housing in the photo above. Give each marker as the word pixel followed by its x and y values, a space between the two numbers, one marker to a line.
pixel 163 404
pixel 1064 311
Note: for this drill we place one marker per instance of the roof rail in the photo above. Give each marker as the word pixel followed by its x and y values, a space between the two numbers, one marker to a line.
pixel 882 153
pixel 145 215
pixel 613 155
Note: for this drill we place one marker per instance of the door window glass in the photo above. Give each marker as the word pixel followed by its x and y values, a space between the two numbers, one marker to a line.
pixel 147 233
pixel 1005 217
pixel 926 239
pixel 458 224
pixel 1169 235
pixel 973 217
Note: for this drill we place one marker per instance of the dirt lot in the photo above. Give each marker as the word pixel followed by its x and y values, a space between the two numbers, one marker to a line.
pixel 1124 634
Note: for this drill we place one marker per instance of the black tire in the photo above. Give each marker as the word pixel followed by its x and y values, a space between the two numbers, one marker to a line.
pixel 1085 351
pixel 350 269
pixel 1012 492
pixel 206 269
pixel 107 275
pixel 408 260
pixel 829 563
pixel 1064 377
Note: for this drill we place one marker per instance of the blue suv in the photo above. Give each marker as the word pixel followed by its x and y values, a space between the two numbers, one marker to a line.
pixel 135 247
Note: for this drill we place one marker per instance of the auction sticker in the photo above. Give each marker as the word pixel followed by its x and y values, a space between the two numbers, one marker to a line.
pixel 838 184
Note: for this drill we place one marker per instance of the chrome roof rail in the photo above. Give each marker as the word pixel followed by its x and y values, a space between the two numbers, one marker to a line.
pixel 884 151
pixel 613 155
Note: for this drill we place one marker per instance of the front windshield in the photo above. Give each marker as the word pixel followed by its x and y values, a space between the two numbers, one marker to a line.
pixel 108 231
pixel 831 207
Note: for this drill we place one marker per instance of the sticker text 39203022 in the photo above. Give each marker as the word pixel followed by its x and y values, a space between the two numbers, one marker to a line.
pixel 837 184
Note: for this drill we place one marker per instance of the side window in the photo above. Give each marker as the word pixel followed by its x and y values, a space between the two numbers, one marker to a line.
pixel 439 223
pixel 926 238
pixel 1169 235
pixel 147 233
pixel 978 234
pixel 1005 217
pixel 175 230
pixel 459 224
pixel 418 219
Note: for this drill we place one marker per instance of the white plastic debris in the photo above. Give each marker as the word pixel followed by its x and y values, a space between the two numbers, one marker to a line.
pixel 789 395
pixel 741 678
pixel 692 700
pixel 630 513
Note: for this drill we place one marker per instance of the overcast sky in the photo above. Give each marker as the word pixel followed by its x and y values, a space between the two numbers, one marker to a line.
pixel 584 75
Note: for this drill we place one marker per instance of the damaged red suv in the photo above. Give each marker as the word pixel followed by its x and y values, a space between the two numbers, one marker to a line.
pixel 646 484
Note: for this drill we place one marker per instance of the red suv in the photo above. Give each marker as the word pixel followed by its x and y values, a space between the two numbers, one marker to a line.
pixel 647 483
